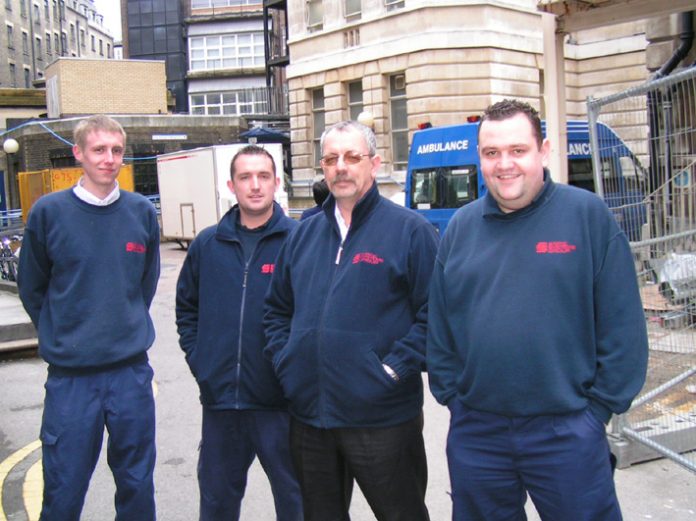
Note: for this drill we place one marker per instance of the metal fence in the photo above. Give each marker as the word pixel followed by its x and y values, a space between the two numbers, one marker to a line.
pixel 654 186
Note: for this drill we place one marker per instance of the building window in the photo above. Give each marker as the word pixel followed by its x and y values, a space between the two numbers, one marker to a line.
pixel 353 9
pixel 226 51
pixel 10 36
pixel 315 14
pixel 48 44
pixel 47 11
pixel 232 103
pixel 72 33
pixel 56 41
pixel 61 4
pixel 202 4
pixel 108 50
pixel 13 75
pixel 101 47
pixel 8 5
pixel 23 8
pixel 399 120
pixel 55 9
pixel 355 99
pixel 318 123
pixel 39 52
pixel 94 43
pixel 393 4
pixel 37 14
pixel 64 42
pixel 27 78
pixel 82 37
pixel 25 43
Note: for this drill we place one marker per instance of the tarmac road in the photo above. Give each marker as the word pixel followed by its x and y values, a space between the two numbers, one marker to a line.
pixel 657 490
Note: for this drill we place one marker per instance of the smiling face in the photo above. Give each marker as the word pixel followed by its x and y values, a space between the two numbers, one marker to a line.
pixel 512 161
pixel 101 157
pixel 348 180
pixel 254 184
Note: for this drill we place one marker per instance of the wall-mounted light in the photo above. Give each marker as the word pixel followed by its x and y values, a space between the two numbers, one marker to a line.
pixel 10 146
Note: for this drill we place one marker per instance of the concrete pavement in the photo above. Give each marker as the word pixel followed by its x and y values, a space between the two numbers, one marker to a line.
pixel 16 330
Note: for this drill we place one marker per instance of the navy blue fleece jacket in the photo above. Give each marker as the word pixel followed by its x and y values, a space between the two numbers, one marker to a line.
pixel 219 314
pixel 87 276
pixel 330 326
pixel 536 312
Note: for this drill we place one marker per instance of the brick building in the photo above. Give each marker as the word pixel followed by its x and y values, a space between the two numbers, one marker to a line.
pixel 86 86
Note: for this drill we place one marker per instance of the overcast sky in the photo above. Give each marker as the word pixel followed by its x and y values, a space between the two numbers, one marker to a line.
pixel 111 9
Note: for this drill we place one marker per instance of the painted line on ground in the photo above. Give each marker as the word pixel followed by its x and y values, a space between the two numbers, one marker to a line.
pixel 11 462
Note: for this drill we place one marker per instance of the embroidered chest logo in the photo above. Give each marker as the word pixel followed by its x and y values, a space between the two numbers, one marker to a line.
pixel 267 268
pixel 555 247
pixel 368 258
pixel 135 247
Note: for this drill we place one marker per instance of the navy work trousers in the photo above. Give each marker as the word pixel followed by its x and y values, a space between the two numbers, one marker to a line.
pixel 229 442
pixel 389 465
pixel 76 410
pixel 562 461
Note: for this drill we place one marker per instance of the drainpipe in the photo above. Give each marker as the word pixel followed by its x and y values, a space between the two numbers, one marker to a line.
pixel 687 39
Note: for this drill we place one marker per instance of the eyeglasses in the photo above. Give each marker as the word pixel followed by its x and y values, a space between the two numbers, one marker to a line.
pixel 349 158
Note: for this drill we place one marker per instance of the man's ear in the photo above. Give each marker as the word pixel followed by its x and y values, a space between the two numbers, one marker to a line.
pixel 545 152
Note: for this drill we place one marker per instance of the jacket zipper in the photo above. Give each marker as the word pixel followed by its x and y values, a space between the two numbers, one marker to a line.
pixel 241 331
pixel 337 262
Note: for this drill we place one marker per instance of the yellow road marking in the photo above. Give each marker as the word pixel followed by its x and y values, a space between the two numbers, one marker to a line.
pixel 33 491
pixel 7 466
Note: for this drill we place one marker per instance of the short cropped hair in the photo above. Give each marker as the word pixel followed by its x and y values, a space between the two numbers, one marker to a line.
pixel 511 107
pixel 343 126
pixel 251 150
pixel 96 123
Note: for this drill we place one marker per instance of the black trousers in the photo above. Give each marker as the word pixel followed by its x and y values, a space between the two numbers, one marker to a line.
pixel 388 464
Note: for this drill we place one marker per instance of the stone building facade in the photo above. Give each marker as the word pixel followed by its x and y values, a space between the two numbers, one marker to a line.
pixel 433 62
pixel 36 32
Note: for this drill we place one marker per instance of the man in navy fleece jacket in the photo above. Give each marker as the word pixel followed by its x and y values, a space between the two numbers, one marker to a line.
pixel 219 312
pixel 536 335
pixel 345 322
pixel 88 271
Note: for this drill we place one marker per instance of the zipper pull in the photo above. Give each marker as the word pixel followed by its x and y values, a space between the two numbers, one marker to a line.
pixel 340 251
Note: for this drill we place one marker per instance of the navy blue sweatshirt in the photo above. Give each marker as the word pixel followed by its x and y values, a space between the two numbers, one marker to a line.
pixel 219 314
pixel 536 312
pixel 330 326
pixel 87 276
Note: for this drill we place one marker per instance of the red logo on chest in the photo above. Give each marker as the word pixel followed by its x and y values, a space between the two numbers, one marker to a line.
pixel 135 247
pixel 555 247
pixel 369 258
pixel 267 268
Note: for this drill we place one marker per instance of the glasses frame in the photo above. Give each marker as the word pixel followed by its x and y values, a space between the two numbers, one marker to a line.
pixel 332 159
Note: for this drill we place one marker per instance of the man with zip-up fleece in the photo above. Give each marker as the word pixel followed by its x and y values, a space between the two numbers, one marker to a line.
pixel 345 321
pixel 219 312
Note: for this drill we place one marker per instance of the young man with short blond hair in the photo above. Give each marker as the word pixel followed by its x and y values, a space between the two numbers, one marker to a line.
pixel 88 272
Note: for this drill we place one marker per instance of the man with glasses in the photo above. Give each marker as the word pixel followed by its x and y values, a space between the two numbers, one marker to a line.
pixel 345 326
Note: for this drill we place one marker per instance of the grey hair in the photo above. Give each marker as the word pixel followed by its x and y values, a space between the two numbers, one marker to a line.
pixel 344 126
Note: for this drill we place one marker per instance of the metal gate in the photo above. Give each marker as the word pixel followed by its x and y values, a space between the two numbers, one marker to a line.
pixel 653 189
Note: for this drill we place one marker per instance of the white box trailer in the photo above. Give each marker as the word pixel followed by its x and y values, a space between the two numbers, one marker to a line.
pixel 193 188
